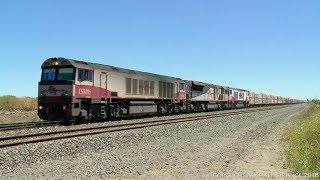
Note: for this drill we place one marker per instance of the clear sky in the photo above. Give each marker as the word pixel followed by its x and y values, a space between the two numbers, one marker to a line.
pixel 270 46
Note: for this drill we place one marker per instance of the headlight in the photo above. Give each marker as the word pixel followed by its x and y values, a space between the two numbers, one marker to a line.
pixel 41 94
pixel 65 107
pixel 55 63
pixel 65 93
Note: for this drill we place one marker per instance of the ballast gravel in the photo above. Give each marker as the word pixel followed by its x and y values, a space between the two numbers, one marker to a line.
pixel 116 122
pixel 198 149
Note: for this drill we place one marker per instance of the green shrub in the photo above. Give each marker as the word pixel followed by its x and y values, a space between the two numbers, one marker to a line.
pixel 316 101
pixel 8 102
pixel 303 141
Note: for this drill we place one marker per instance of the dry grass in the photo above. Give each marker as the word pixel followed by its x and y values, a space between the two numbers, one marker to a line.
pixel 12 103
pixel 303 141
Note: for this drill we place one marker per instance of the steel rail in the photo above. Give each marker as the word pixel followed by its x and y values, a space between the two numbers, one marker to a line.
pixel 13 126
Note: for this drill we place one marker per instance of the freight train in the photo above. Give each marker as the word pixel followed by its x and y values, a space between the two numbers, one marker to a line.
pixel 80 90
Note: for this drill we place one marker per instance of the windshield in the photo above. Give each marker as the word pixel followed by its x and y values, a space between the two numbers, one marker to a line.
pixel 53 74
pixel 65 74
pixel 49 74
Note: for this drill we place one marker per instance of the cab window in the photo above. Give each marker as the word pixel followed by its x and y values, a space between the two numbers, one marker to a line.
pixel 65 74
pixel 197 88
pixel 49 74
pixel 181 87
pixel 85 75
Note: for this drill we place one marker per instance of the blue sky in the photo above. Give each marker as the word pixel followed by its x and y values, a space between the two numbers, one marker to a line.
pixel 270 46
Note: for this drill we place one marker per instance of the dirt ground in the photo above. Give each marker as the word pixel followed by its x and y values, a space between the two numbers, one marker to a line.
pixel 18 116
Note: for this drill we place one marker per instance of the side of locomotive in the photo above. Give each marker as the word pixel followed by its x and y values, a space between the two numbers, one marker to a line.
pixel 134 92
pixel 203 96
pixel 92 90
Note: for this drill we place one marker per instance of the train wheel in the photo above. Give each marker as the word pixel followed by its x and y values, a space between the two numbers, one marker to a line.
pixel 80 120
pixel 66 122
pixel 162 110
pixel 170 109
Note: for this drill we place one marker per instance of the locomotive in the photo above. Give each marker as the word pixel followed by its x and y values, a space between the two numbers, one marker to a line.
pixel 80 90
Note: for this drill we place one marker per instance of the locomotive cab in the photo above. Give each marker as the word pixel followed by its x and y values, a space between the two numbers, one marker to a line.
pixel 56 89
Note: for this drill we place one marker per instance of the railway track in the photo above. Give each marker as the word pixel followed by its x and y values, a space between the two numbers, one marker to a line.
pixel 63 134
pixel 25 125
pixel 13 126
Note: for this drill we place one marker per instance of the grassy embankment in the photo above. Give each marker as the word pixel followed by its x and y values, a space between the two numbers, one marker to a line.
pixel 12 103
pixel 303 142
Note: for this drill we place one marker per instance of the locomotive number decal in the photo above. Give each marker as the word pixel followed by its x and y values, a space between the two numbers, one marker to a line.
pixel 85 91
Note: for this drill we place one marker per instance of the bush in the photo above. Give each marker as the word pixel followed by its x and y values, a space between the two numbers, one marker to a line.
pixel 28 104
pixel 8 102
pixel 12 103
